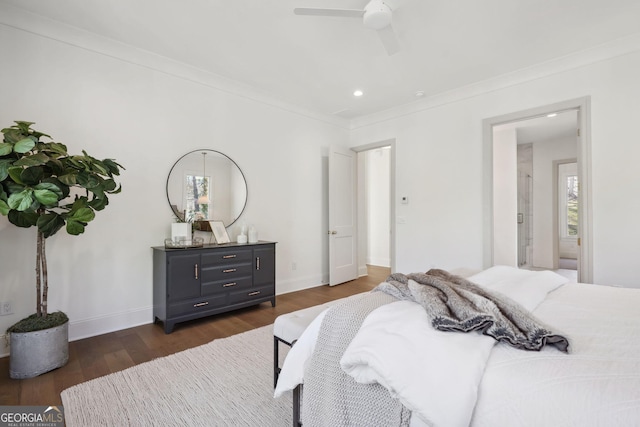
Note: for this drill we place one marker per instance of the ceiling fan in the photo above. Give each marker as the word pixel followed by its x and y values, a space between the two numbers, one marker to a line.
pixel 376 15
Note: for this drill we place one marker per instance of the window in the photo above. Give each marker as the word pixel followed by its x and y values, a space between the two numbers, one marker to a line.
pixel 572 205
pixel 197 197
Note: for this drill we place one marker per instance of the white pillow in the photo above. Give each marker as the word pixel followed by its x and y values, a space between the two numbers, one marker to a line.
pixel 526 287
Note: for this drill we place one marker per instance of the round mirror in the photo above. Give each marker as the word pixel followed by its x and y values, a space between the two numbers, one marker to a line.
pixel 206 185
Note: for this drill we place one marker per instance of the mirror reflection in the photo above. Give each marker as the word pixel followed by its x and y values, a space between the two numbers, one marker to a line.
pixel 206 185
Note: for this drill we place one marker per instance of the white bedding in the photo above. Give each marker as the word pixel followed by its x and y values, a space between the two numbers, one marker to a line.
pixel 455 379
pixel 598 384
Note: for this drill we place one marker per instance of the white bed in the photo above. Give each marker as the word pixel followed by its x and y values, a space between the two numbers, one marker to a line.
pixel 467 379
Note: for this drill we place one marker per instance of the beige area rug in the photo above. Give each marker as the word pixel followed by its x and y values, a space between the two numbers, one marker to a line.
pixel 227 382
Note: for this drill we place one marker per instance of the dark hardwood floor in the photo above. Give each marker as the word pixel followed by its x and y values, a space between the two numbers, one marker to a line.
pixel 101 355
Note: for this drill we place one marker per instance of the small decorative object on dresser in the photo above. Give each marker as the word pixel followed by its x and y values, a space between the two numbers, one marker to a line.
pixel 196 282
pixel 253 234
pixel 219 232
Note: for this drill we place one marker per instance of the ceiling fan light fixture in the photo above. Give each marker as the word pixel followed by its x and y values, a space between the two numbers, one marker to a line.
pixel 377 15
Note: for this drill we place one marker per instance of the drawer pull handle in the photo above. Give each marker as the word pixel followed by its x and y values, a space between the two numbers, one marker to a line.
pixel 201 304
pixel 229 270
pixel 195 271
pixel 257 263
pixel 227 285
pixel 229 256
pixel 253 294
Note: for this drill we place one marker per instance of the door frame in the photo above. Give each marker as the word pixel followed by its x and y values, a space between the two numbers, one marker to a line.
pixel 392 192
pixel 583 107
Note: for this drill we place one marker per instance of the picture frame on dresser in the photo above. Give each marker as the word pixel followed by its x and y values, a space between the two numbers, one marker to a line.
pixel 219 232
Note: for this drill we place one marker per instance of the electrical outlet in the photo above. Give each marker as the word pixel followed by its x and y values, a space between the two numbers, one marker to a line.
pixel 6 308
pixel 294 265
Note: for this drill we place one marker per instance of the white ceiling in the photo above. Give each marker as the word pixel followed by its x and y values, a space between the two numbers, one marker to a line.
pixel 316 63
pixel 563 124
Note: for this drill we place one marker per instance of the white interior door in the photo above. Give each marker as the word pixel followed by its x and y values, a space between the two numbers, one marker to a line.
pixel 343 260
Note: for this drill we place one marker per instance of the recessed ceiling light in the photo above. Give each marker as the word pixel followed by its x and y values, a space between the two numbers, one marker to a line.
pixel 420 94
pixel 358 93
pixel 552 115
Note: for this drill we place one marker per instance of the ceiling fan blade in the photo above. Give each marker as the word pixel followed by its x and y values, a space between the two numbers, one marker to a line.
pixel 348 13
pixel 389 40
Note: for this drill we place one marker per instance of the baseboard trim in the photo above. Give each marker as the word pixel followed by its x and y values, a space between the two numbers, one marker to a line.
pixel 299 283
pixel 109 323
pixel 112 322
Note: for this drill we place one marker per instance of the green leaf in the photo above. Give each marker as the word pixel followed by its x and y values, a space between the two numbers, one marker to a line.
pixel 51 185
pixel 4 208
pixel 32 175
pixel 99 203
pixel 13 187
pixel 24 126
pixel 113 166
pixel 98 192
pixel 46 197
pixel 55 184
pixel 88 180
pixel 4 168
pixel 21 201
pixel 68 179
pixel 55 147
pixel 50 223
pixel 56 166
pixel 24 145
pixel 5 148
pixel 12 135
pixel 82 215
pixel 109 185
pixel 14 173
pixel 37 159
pixel 74 227
pixel 23 219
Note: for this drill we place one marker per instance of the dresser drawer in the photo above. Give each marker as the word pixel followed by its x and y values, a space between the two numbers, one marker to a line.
pixel 228 256
pixel 249 294
pixel 230 285
pixel 225 272
pixel 196 305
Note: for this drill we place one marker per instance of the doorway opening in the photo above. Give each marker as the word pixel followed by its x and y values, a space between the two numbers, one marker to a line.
pixel 534 216
pixel 361 211
pixel 374 208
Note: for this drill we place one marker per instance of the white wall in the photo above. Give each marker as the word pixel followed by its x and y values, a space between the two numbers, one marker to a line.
pixel 505 197
pixel 146 112
pixel 439 152
pixel 544 212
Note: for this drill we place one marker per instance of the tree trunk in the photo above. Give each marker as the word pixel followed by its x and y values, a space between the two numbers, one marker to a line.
pixel 45 278
pixel 39 275
pixel 42 280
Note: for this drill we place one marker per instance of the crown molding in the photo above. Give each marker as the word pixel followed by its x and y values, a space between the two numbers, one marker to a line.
pixel 602 52
pixel 38 25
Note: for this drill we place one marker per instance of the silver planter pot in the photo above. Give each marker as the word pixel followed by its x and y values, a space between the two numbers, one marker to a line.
pixel 34 353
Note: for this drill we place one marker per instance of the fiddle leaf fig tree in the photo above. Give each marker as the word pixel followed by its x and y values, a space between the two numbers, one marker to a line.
pixel 43 186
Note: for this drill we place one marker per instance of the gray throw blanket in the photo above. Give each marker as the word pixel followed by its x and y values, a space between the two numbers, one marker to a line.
pixel 455 304
pixel 331 397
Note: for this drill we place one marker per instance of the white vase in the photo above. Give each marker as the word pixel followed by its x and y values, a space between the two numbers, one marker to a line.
pixel 253 235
